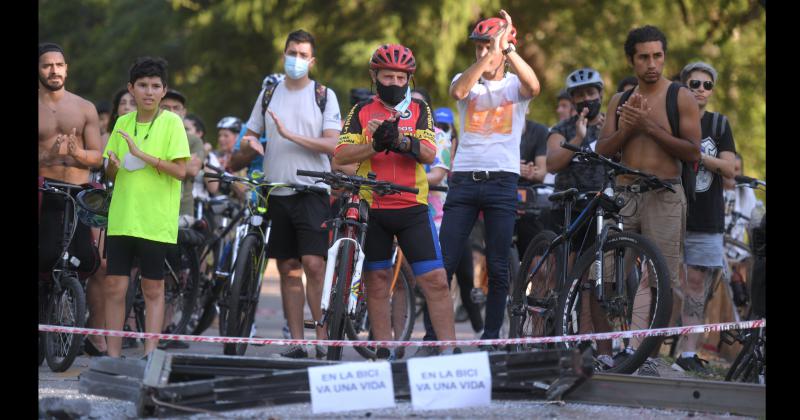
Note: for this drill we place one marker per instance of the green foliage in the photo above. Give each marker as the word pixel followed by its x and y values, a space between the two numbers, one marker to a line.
pixel 220 51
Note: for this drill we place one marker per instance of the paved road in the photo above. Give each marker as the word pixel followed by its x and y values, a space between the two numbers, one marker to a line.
pixel 269 323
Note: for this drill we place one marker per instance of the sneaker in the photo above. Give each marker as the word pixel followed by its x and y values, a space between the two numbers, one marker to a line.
pixel 622 356
pixel 691 364
pixel 452 350
pixel 461 314
pixel 173 344
pixel 604 362
pixel 648 368
pixel 427 351
pixel 487 347
pixel 399 352
pixel 384 353
pixel 295 352
pixel 286 333
pixel 320 351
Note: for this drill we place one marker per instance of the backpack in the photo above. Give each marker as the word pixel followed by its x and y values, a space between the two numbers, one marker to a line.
pixel 320 97
pixel 688 170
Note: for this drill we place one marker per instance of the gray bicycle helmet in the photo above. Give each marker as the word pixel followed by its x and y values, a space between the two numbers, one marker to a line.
pixel 272 79
pixel 231 123
pixel 584 77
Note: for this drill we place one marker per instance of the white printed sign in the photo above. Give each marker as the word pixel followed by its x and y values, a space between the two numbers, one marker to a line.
pixel 461 380
pixel 351 386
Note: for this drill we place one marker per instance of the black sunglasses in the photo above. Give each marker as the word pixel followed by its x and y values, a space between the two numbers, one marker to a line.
pixel 695 84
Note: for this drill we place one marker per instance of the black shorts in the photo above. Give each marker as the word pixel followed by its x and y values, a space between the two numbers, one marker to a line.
pixel 297 225
pixel 122 251
pixel 416 235
pixel 51 233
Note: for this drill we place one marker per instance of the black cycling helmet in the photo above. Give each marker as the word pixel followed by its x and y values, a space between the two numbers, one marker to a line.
pixel 93 206
pixel 231 123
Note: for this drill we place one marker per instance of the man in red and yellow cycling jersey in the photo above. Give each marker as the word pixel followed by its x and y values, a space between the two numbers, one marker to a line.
pixel 392 136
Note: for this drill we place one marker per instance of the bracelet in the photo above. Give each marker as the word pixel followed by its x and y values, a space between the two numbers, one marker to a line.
pixel 159 163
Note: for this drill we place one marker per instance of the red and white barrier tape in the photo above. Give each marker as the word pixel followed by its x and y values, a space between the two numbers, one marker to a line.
pixel 694 329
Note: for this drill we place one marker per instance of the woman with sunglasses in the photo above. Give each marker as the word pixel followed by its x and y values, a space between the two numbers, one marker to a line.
pixel 705 217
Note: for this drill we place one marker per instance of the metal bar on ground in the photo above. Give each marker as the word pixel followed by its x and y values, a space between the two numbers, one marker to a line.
pixel 680 394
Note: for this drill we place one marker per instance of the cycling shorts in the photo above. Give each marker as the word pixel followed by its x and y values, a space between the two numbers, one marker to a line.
pixel 416 235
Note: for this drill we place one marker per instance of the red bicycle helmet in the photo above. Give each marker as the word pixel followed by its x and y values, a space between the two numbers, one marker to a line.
pixel 393 57
pixel 487 28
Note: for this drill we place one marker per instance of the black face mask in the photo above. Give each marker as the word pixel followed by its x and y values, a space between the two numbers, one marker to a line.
pixel 392 95
pixel 593 105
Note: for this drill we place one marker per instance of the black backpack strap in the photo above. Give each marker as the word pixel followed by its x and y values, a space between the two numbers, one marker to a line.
pixel 320 95
pixel 672 109
pixel 625 96
pixel 269 90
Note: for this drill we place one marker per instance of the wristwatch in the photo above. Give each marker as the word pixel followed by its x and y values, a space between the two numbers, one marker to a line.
pixel 511 48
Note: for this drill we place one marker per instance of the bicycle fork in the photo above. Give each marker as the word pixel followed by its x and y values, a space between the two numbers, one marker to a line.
pixel 333 253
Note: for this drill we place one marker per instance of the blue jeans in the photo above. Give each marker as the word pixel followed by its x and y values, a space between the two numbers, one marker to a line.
pixel 497 198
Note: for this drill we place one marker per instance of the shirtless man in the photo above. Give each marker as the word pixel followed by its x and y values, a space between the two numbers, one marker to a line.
pixel 69 145
pixel 645 142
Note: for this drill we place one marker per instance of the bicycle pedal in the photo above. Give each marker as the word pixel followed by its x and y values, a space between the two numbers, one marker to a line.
pixel 309 324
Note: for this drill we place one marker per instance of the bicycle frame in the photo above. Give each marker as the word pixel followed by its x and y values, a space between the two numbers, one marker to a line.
pixel 350 214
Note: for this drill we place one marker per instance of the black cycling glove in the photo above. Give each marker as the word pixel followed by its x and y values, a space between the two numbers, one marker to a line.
pixel 385 135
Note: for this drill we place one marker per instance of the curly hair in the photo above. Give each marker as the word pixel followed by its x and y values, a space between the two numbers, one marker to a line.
pixel 646 33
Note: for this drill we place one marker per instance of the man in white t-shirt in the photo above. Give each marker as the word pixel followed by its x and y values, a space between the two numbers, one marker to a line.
pixel 492 105
pixel 302 123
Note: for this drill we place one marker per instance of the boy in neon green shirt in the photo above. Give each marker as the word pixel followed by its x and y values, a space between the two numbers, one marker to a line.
pixel 147 153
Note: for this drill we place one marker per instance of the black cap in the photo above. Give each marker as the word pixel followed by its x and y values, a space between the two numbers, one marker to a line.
pixel 174 94
pixel 46 47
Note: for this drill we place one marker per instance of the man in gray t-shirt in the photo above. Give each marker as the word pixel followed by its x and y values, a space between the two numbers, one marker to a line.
pixel 302 125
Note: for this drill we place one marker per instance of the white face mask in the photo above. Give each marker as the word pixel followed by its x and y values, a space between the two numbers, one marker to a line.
pixel 295 67
pixel 133 163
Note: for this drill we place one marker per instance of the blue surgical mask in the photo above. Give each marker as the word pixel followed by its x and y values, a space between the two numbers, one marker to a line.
pixel 403 105
pixel 295 67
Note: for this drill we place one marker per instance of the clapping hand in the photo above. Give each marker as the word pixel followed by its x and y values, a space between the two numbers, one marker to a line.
pixel 132 148
pixel 72 144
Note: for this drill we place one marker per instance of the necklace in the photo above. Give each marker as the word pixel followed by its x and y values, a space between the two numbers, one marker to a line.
pixel 136 126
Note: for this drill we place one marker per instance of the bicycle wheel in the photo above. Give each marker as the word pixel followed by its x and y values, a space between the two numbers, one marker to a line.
pixel 181 291
pixel 66 308
pixel 206 307
pixel 748 365
pixel 243 294
pixel 339 296
pixel 637 295
pixel 402 302
pixel 534 296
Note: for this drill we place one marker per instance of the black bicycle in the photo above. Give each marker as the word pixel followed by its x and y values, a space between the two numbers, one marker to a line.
pixel 241 294
pixel 344 298
pixel 622 283
pixel 750 364
pixel 62 300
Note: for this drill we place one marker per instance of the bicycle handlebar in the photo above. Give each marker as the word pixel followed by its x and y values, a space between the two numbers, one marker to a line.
pixel 618 168
pixel 336 178
pixel 225 177
pixel 752 182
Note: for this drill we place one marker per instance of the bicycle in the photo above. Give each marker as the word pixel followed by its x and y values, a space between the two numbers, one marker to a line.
pixel 343 293
pixel 62 300
pixel 750 364
pixel 240 295
pixel 223 217
pixel 637 273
